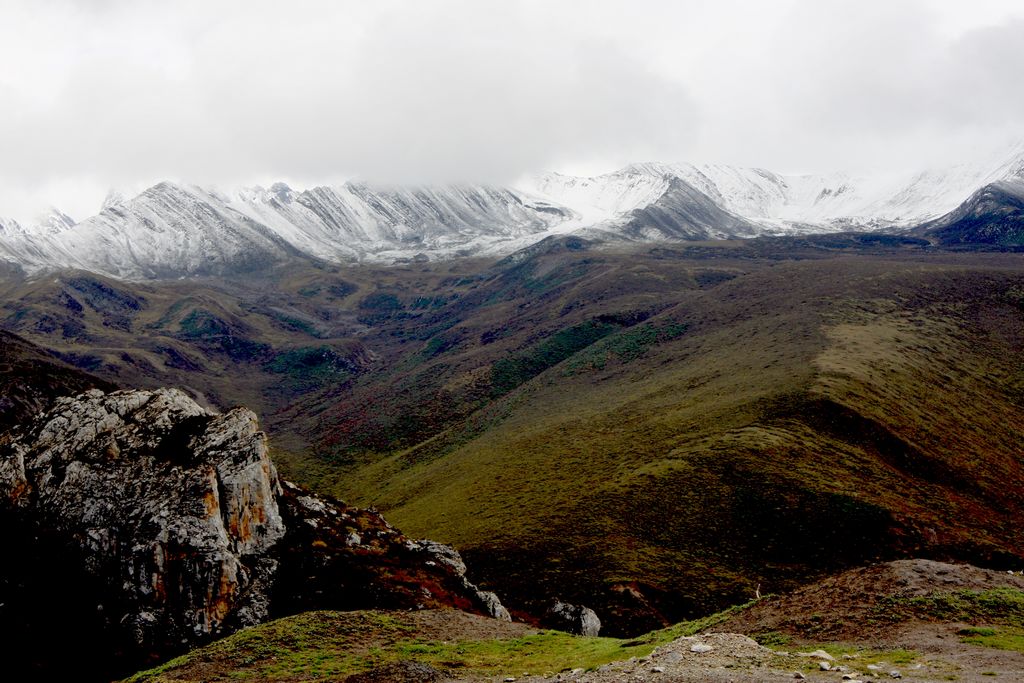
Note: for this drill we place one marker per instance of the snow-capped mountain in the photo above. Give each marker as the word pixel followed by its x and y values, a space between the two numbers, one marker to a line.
pixel 166 231
pixel 993 215
pixel 172 230
pixel 358 221
pixel 780 203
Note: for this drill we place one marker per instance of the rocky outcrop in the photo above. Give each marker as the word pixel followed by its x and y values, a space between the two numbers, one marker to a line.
pixel 176 523
pixel 172 505
pixel 438 554
pixel 576 619
pixel 335 556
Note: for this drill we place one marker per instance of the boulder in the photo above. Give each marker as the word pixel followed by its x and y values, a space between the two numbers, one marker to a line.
pixel 490 604
pixel 439 554
pixel 575 619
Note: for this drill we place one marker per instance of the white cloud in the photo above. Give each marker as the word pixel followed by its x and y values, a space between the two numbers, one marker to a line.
pixel 108 93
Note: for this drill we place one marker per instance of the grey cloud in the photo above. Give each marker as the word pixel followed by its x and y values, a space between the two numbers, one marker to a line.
pixel 428 91
pixel 111 93
pixel 872 85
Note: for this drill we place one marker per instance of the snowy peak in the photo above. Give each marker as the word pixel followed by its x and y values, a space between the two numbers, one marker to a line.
pixel 55 221
pixel 9 226
pixel 993 215
pixel 359 220
pixel 684 212
pixel 280 192
pixel 606 196
pixel 1013 167
pixel 166 231
pixel 114 198
pixel 781 203
pixel 176 230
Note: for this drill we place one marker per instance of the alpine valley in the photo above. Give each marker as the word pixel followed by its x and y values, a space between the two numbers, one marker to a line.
pixel 625 401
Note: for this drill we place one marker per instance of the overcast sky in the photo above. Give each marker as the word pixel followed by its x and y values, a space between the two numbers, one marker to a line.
pixel 101 93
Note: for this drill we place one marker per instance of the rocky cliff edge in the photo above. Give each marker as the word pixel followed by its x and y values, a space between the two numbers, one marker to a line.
pixel 176 525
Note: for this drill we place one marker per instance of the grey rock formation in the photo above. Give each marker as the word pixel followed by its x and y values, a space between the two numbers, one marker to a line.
pixel 176 521
pixel 489 603
pixel 576 619
pixel 444 555
pixel 438 553
pixel 175 504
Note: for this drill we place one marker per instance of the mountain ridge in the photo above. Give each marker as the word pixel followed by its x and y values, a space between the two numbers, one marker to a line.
pixel 175 230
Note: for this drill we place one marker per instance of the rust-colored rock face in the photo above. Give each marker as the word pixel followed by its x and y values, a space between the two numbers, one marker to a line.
pixel 177 505
pixel 174 521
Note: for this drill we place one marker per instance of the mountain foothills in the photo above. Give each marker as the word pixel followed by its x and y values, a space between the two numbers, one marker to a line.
pixel 607 400
pixel 649 431
pixel 173 230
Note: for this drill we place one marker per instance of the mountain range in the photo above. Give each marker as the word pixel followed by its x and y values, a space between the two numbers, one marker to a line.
pixel 176 230
pixel 610 399
pixel 649 431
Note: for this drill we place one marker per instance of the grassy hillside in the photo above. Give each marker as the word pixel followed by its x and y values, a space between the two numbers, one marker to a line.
pixel 318 645
pixel 653 433
pixel 813 415
pixel 870 619
pixel 30 378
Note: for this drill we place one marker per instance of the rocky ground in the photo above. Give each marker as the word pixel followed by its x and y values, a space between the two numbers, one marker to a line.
pixel 709 657
pixel 862 609
pixel 890 621
pixel 735 658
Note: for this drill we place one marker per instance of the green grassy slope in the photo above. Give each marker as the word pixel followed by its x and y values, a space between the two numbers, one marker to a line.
pixel 842 614
pixel 652 432
pixel 30 378
pixel 331 645
pixel 813 415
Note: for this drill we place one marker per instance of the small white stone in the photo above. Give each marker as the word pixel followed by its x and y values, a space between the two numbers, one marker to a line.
pixel 701 648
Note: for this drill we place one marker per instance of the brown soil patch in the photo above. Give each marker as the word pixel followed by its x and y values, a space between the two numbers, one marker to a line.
pixel 846 607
